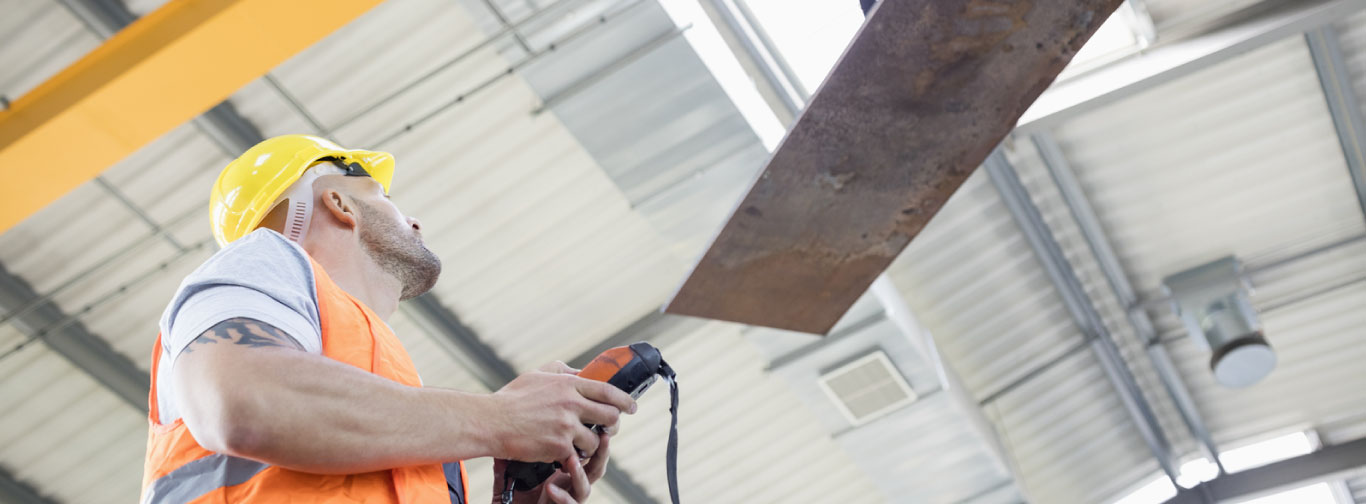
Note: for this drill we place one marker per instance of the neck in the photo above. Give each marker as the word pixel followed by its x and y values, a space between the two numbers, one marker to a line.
pixel 356 273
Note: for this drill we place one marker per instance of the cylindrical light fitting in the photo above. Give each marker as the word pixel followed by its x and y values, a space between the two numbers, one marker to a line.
pixel 1214 303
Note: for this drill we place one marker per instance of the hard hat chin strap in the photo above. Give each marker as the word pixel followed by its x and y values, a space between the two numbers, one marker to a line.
pixel 300 199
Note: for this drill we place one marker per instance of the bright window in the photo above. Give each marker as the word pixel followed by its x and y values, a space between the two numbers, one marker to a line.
pixel 810 34
pixel 1256 454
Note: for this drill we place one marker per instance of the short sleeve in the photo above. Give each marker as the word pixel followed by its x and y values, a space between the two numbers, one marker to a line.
pixel 261 276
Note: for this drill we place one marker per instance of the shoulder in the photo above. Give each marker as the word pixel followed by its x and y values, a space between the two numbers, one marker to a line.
pixel 263 261
pixel 262 247
pixel 262 256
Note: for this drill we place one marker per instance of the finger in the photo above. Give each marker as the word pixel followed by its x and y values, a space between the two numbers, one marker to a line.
pixel 558 479
pixel 612 430
pixel 558 367
pixel 597 466
pixel 586 441
pixel 602 392
pixel 578 479
pixel 595 413
pixel 558 495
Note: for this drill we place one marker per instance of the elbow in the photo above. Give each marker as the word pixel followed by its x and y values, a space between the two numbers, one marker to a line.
pixel 239 440
pixel 232 429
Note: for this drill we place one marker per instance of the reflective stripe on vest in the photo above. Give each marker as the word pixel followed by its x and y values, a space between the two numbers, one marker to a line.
pixel 194 479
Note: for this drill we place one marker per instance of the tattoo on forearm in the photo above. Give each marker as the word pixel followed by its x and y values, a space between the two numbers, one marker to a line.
pixel 246 332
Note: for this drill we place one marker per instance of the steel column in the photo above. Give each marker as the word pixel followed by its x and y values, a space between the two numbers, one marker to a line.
pixel 1084 314
pixel 1094 233
pixel 1342 104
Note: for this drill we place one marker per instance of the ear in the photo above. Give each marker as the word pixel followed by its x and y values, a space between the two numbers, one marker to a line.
pixel 340 207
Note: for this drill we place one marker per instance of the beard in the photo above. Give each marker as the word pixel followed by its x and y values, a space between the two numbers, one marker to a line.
pixel 398 251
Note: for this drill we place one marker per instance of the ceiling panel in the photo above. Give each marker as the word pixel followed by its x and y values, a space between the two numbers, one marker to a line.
pixel 38 38
pixel 64 433
pixel 743 435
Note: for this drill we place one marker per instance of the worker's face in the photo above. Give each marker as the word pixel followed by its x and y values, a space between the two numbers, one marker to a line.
pixel 393 240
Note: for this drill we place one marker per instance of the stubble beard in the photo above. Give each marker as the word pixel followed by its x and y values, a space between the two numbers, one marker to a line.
pixel 399 252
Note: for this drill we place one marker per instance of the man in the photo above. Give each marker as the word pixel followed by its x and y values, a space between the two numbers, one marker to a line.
pixel 276 379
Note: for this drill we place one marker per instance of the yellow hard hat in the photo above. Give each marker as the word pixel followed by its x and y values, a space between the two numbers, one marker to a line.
pixel 250 186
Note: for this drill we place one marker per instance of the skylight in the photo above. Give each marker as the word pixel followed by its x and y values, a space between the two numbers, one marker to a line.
pixel 716 55
pixel 810 34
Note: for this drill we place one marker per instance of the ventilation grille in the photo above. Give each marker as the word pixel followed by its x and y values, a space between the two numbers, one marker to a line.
pixel 867 388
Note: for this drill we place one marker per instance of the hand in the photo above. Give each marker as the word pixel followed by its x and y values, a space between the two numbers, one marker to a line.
pixel 562 368
pixel 540 416
pixel 571 484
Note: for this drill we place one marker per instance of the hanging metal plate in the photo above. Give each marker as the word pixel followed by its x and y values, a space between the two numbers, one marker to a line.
pixel 922 95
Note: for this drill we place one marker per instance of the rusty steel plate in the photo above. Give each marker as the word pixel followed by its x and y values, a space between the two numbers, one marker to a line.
pixel 925 91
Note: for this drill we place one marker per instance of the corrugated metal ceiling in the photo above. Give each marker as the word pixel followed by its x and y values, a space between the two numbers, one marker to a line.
pixel 559 229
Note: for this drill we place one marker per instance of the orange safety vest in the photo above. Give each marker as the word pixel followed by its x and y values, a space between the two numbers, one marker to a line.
pixel 178 470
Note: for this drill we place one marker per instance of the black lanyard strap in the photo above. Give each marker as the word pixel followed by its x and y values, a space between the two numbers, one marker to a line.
pixel 671 452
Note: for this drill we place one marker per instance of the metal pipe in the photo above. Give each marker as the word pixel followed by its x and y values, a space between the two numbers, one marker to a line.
pixel 761 35
pixel 1342 104
pixel 503 20
pixel 1084 314
pixel 1094 233
pixel 791 107
pixel 297 105
pixel 1161 301
pixel 141 215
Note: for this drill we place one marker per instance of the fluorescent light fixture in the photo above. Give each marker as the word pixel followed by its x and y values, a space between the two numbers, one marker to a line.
pixel 1265 452
pixel 1256 454
pixel 1154 491
pixel 1196 472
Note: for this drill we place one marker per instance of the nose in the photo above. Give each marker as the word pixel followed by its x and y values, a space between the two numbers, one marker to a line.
pixel 417 226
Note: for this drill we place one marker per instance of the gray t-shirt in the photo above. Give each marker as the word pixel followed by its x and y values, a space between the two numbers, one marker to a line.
pixel 261 276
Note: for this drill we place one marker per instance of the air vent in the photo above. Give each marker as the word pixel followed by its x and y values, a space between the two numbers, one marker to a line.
pixel 867 388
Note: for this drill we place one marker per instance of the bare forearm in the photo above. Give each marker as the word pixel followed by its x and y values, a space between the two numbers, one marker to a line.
pixel 313 414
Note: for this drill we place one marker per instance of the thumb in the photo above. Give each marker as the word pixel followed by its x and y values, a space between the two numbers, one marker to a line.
pixel 558 367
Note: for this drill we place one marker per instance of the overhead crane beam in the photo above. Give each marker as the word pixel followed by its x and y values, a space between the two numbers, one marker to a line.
pixel 148 78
